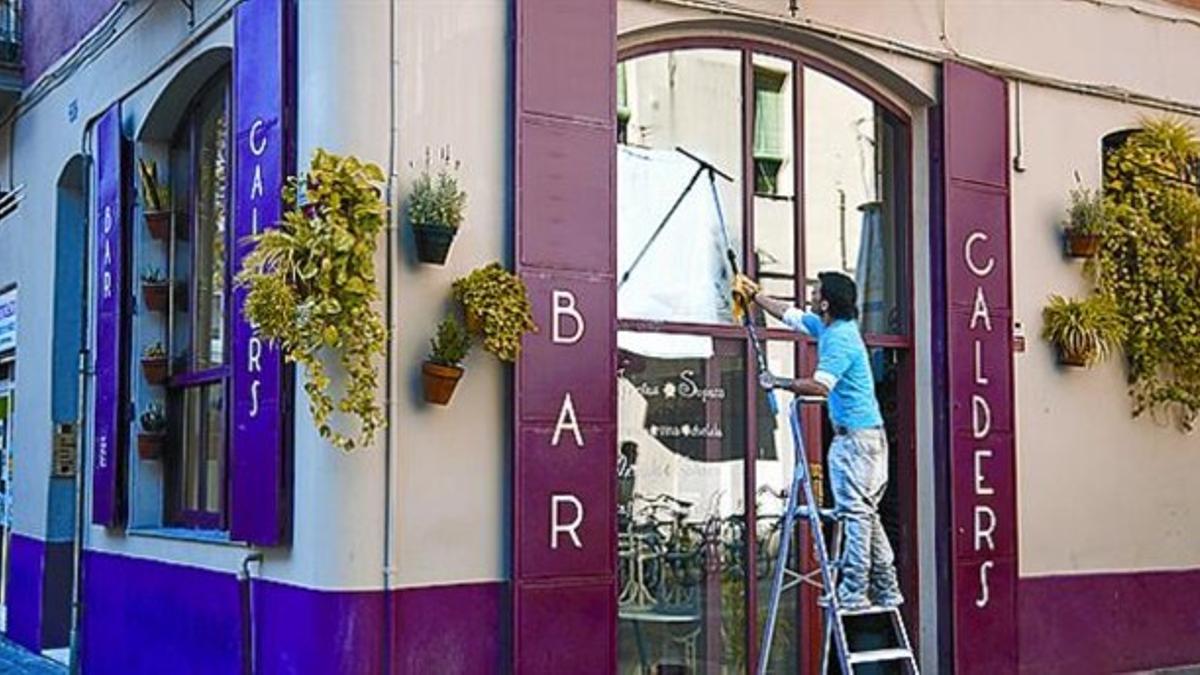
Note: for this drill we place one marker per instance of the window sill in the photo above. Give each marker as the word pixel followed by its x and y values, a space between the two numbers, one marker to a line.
pixel 219 537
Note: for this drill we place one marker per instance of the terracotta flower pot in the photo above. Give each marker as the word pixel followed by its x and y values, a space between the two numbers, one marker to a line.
pixel 150 445
pixel 474 322
pixel 1073 358
pixel 155 295
pixel 433 243
pixel 155 370
pixel 1080 245
pixel 439 382
pixel 159 224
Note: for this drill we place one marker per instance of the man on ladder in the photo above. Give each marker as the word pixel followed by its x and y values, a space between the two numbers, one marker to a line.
pixel 858 455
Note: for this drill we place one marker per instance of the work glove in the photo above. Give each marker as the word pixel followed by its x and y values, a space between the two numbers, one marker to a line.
pixel 744 290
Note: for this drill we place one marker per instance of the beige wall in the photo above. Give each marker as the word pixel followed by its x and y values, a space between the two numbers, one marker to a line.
pixel 451 463
pixel 1098 491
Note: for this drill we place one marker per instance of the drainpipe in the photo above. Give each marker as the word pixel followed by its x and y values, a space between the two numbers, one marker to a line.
pixel 246 590
pixel 389 379
pixel 84 379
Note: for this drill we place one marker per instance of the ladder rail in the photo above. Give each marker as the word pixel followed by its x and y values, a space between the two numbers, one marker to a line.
pixel 835 627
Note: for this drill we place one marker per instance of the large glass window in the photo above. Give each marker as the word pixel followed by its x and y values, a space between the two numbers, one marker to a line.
pixel 796 171
pixel 198 391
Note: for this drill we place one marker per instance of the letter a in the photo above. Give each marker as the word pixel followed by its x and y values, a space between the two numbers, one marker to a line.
pixel 567 420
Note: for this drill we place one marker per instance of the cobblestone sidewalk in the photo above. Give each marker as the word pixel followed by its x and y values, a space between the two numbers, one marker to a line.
pixel 16 660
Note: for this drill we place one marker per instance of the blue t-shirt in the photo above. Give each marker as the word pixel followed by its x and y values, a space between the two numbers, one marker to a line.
pixel 844 367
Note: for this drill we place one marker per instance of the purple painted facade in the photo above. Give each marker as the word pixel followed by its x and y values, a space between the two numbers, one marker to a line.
pixel 108 223
pixel 1103 623
pixel 564 501
pixel 146 616
pixel 39 604
pixel 258 505
pixel 52 27
pixel 978 324
pixel 26 570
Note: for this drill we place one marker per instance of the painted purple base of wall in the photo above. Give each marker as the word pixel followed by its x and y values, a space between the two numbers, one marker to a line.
pixel 141 616
pixel 146 616
pixel 39 593
pixel 1104 623
pixel 26 563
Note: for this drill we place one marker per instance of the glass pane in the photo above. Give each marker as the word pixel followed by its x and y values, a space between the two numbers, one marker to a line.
pixel 203 443
pixel 181 194
pixel 682 569
pixel 673 227
pixel 774 178
pixel 854 200
pixel 209 279
pixel 774 466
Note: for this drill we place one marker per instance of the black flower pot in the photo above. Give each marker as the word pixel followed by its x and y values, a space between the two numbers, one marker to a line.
pixel 433 243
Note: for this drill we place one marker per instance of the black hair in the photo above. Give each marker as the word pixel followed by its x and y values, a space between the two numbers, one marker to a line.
pixel 839 291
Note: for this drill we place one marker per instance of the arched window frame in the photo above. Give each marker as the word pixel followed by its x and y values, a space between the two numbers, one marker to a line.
pixel 804 347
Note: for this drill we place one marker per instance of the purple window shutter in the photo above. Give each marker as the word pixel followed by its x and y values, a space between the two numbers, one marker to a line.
pixel 111 423
pixel 260 507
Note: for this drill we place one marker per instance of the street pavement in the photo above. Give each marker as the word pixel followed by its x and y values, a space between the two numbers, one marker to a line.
pixel 16 660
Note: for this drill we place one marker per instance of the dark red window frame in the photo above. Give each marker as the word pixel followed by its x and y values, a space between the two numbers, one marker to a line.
pixel 808 625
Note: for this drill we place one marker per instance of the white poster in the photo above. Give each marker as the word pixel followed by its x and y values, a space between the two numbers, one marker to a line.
pixel 8 320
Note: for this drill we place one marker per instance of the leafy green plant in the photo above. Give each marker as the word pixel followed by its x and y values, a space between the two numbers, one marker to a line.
pixel 1089 213
pixel 1149 264
pixel 498 302
pixel 437 200
pixel 451 344
pixel 1085 331
pixel 153 420
pixel 154 351
pixel 153 275
pixel 311 288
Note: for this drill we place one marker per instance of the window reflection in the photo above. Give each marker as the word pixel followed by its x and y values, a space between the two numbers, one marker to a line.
pixel 680 513
pixel 775 178
pixel 853 216
pixel 674 224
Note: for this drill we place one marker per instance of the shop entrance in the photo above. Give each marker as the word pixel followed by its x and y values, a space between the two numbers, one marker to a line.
pixel 816 178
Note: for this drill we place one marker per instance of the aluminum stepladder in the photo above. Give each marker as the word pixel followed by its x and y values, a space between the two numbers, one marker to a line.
pixel 785 578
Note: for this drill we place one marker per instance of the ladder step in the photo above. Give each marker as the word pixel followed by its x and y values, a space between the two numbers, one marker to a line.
pixel 827 514
pixel 869 611
pixel 880 656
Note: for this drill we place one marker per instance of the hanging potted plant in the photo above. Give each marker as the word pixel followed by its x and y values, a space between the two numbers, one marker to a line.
pixel 155 289
pixel 311 290
pixel 442 370
pixel 1084 331
pixel 156 201
pixel 154 363
pixel 496 304
pixel 435 208
pixel 1088 218
pixel 154 432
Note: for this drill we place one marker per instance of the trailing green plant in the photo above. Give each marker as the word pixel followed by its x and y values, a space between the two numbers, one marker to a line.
pixel 1089 213
pixel 153 420
pixel 1149 264
pixel 437 200
pixel 498 300
pixel 1086 330
pixel 311 288
pixel 451 344
pixel 154 351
